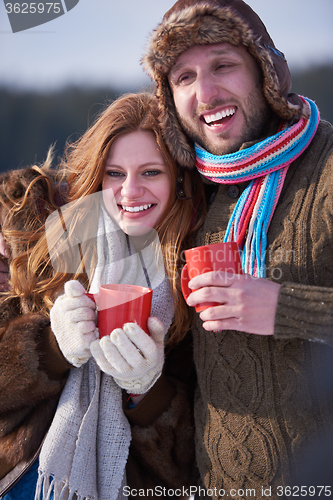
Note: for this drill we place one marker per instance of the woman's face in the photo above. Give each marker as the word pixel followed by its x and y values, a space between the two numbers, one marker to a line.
pixel 136 183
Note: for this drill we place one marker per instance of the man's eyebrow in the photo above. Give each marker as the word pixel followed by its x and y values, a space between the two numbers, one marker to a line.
pixel 176 68
pixel 214 52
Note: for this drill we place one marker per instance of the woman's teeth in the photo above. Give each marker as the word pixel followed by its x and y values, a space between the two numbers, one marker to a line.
pixel 136 209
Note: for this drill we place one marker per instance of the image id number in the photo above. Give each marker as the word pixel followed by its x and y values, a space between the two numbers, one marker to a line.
pixel 304 491
pixel 33 8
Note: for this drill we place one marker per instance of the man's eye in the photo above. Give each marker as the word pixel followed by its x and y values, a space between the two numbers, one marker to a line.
pixel 184 79
pixel 223 66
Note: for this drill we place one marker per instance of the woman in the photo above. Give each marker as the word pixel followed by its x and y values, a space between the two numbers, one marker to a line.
pixel 144 194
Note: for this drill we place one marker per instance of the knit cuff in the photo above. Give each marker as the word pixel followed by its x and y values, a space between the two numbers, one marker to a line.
pixel 304 312
pixel 156 401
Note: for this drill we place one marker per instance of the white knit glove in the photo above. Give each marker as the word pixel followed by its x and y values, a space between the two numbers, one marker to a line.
pixel 73 323
pixel 133 358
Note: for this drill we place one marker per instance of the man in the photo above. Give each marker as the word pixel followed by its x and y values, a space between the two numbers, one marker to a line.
pixel 262 399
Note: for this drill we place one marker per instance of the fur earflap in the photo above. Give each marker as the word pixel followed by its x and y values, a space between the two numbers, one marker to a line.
pixel 193 22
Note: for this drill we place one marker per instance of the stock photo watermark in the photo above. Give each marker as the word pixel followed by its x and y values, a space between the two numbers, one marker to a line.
pixel 24 15
pixel 265 492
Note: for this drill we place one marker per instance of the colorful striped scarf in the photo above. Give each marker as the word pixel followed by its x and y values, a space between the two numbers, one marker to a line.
pixel 265 165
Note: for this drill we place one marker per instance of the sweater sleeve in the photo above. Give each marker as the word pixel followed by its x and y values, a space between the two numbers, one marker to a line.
pixel 305 312
pixel 162 424
pixel 305 302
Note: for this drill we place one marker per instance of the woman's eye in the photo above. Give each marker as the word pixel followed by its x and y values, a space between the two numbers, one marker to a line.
pixel 113 173
pixel 152 173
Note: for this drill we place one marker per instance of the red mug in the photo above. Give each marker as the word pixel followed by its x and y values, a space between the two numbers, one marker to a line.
pixel 118 304
pixel 215 257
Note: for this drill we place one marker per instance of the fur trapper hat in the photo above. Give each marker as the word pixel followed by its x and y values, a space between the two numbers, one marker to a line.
pixel 205 22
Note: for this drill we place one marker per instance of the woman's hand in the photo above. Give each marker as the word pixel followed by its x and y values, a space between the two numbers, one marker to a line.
pixel 247 304
pixel 133 358
pixel 73 323
pixel 4 270
pixel 4 276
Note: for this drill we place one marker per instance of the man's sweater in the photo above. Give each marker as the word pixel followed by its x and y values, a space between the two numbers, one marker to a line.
pixel 263 403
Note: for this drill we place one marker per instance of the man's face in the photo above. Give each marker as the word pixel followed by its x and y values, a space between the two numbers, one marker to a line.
pixel 218 95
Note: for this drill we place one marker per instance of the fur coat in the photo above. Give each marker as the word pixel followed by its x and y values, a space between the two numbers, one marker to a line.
pixel 32 369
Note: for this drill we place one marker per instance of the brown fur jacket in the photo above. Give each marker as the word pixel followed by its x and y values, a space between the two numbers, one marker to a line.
pixel 32 369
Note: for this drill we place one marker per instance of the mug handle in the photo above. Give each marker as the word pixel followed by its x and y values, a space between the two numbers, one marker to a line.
pixel 91 296
pixel 184 280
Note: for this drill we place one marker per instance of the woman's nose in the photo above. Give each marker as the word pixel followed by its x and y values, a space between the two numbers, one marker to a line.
pixel 132 187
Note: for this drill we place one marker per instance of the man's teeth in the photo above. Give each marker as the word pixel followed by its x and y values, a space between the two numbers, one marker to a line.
pixel 136 209
pixel 219 115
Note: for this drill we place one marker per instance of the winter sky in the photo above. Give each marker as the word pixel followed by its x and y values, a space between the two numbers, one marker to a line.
pixel 100 42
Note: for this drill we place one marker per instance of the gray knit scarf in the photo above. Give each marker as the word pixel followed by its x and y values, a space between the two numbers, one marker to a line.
pixel 85 452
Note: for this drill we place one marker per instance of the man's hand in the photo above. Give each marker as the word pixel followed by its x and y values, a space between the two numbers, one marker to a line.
pixel 247 304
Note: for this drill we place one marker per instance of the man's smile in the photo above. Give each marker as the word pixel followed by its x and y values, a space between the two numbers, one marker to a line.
pixel 217 118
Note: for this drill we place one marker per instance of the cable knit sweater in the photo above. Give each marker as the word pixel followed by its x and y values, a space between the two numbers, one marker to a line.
pixel 264 405
pixel 263 402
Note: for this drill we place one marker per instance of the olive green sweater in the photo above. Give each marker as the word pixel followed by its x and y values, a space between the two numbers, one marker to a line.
pixel 263 405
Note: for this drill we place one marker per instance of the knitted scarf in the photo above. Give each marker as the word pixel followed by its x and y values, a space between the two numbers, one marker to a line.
pixel 85 451
pixel 265 165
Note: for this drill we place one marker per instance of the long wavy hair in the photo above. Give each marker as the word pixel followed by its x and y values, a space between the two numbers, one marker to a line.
pixel 27 196
pixel 83 166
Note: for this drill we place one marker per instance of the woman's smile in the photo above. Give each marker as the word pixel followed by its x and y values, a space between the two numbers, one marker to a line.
pixel 136 185
pixel 136 209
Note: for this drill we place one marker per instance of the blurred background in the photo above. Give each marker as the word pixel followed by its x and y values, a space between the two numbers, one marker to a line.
pixel 55 77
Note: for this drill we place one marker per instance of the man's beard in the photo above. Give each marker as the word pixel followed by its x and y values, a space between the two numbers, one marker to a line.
pixel 258 114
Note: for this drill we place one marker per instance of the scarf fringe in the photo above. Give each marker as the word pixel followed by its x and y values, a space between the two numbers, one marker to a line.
pixel 46 485
pixel 265 165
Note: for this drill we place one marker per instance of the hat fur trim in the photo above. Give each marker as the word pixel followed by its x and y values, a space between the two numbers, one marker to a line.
pixel 205 24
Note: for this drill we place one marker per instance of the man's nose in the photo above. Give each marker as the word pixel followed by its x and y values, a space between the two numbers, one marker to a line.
pixel 132 187
pixel 206 89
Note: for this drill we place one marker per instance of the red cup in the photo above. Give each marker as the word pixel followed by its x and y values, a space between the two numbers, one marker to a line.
pixel 120 304
pixel 215 257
